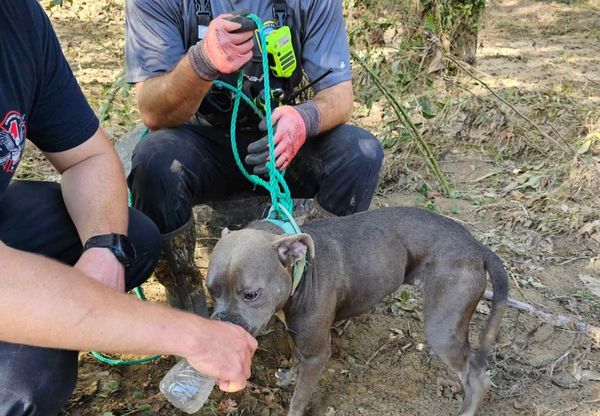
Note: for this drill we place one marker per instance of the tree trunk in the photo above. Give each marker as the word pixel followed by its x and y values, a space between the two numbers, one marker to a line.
pixel 464 41
pixel 456 23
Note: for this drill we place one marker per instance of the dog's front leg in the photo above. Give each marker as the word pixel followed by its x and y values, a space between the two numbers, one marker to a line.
pixel 312 359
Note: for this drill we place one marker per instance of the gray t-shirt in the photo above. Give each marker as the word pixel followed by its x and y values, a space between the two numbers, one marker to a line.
pixel 158 33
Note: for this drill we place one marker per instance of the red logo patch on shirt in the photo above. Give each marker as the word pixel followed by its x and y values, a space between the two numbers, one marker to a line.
pixel 12 140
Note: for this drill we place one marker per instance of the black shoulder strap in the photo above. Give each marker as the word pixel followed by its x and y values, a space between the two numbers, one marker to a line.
pixel 280 12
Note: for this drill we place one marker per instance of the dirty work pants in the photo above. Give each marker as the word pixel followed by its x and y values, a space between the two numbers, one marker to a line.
pixel 39 381
pixel 175 169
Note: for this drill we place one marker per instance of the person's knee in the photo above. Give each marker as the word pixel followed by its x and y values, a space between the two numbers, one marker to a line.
pixel 371 152
pixel 153 160
pixel 161 181
pixel 362 149
pixel 353 166
pixel 38 382
pixel 145 237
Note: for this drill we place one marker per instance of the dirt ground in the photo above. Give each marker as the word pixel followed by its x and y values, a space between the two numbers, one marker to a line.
pixel 525 196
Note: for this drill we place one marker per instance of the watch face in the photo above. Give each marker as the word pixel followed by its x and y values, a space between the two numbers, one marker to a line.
pixel 127 249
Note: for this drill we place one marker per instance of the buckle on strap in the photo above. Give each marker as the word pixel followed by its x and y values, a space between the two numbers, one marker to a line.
pixel 280 12
pixel 203 12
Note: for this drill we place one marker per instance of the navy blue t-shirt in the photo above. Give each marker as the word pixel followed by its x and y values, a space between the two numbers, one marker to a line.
pixel 39 96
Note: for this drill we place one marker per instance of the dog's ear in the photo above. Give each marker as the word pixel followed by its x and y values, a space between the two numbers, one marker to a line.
pixel 225 231
pixel 291 248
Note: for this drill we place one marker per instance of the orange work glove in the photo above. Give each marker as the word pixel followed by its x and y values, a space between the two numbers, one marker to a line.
pixel 289 136
pixel 225 49
pixel 292 127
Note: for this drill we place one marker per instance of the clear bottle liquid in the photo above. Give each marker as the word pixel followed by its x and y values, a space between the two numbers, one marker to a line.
pixel 186 388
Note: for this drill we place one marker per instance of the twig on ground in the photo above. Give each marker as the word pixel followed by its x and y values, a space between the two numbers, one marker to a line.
pixel 566 410
pixel 591 401
pixel 341 327
pixel 558 361
pixel 559 321
pixel 592 81
pixel 376 353
pixel 512 275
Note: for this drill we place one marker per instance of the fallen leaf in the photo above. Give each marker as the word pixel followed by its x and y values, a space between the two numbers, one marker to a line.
pixel 593 285
pixel 84 391
pixel 519 196
pixel 589 375
pixel 587 229
pixel 228 406
pixel 584 147
pixel 594 264
pixel 436 62
pixel 483 309
pixel 510 187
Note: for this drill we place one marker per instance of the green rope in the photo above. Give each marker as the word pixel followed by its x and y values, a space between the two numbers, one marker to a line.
pixel 113 361
pixel 221 84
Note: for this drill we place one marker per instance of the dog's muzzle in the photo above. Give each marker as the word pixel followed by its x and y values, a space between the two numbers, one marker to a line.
pixel 234 319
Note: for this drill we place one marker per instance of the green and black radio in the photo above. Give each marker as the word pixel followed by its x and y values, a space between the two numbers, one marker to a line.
pixel 280 49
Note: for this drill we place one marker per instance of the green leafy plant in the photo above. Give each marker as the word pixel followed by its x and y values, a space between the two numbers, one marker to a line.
pixel 119 85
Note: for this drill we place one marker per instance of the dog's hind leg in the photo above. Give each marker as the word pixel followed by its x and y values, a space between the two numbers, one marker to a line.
pixel 452 290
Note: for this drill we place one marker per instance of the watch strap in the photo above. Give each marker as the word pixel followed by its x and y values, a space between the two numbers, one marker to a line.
pixel 103 241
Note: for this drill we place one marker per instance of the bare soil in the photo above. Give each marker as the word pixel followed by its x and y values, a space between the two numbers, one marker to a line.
pixel 523 196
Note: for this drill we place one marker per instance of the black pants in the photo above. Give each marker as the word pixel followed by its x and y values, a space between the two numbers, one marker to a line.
pixel 33 218
pixel 175 169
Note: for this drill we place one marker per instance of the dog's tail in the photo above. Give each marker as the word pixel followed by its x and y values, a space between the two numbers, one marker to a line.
pixel 499 279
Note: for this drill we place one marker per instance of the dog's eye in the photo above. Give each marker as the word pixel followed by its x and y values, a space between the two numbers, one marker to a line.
pixel 250 296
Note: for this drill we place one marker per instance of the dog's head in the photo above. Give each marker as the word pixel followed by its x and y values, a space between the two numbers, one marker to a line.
pixel 249 275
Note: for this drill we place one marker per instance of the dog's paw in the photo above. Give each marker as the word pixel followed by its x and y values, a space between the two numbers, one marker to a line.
pixel 286 377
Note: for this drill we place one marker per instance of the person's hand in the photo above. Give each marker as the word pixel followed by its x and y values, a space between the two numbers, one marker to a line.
pixel 224 352
pixel 289 137
pixel 227 51
pixel 224 49
pixel 101 264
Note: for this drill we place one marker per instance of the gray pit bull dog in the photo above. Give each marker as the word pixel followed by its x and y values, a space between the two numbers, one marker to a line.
pixel 352 263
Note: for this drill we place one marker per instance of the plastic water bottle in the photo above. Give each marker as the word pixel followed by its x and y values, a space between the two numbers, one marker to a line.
pixel 186 388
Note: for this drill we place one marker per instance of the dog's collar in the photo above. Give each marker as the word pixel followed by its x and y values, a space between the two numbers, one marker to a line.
pixel 285 226
pixel 299 265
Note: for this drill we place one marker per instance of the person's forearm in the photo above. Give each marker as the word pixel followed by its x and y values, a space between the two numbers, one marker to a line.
pixel 173 98
pixel 335 105
pixel 95 194
pixel 47 304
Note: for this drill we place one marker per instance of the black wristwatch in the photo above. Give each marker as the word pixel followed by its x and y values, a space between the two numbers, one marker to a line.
pixel 119 244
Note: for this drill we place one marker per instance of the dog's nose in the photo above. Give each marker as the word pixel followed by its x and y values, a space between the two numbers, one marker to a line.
pixel 221 316
pixel 234 319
